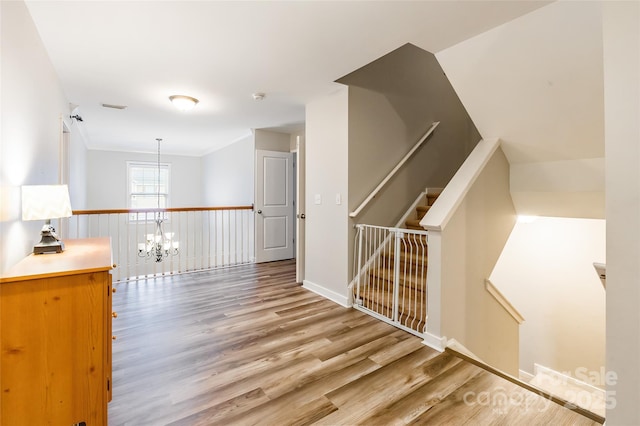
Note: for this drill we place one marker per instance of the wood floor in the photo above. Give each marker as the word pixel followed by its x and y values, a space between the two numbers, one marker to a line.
pixel 247 345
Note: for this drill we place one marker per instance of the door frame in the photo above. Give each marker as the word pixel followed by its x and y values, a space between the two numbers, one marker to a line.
pixel 300 208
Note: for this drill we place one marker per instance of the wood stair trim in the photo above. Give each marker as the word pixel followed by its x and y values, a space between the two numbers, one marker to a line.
pixel 560 401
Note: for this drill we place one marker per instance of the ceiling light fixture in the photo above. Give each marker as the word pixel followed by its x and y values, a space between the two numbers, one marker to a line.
pixel 159 245
pixel 258 96
pixel 183 103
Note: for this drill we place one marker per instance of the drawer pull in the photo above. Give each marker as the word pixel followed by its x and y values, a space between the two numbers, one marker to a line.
pixel 114 337
pixel 114 314
pixel 113 289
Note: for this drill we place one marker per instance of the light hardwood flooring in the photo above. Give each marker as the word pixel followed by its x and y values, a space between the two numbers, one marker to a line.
pixel 247 345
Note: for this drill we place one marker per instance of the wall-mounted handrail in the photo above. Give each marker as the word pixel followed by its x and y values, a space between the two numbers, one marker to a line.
pixel 373 194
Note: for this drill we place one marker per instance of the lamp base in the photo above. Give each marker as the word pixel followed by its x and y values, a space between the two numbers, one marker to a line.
pixel 49 242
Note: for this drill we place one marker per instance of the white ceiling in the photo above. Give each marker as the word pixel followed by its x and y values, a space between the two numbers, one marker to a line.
pixel 139 53
pixel 536 82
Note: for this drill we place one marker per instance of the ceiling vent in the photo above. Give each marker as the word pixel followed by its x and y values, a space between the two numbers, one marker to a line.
pixel 114 106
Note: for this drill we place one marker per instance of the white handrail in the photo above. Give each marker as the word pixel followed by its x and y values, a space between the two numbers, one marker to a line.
pixel 373 194
pixel 503 301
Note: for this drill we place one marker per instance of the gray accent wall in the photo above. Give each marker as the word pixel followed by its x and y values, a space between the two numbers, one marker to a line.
pixel 392 103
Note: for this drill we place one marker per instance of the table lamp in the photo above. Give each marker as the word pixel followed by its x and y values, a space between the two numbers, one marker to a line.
pixel 46 202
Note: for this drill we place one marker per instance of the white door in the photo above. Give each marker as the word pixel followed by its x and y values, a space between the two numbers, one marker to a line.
pixel 274 206
pixel 300 215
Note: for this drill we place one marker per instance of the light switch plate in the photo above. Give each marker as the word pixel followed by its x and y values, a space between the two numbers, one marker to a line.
pixel 338 199
pixel 318 199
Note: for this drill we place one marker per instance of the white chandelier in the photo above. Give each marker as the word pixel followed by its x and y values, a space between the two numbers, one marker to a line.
pixel 159 245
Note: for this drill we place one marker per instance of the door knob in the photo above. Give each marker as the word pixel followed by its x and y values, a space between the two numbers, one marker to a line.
pixel 259 211
pixel 301 216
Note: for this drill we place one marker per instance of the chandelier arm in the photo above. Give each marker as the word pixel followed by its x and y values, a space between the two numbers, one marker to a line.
pixel 161 246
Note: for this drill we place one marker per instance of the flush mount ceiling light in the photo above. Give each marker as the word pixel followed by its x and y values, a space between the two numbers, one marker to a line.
pixel 258 96
pixel 182 102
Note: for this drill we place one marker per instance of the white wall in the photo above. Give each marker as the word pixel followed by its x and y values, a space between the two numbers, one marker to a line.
pixel 228 175
pixel 32 106
pixel 621 33
pixel 546 272
pixel 536 82
pixel 107 178
pixel 77 169
pixel 565 188
pixel 326 245
pixel 470 245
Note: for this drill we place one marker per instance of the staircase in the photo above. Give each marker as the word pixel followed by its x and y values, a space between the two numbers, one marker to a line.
pixel 395 291
pixel 431 197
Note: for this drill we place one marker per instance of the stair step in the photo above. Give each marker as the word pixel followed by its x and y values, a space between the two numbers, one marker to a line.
pixel 410 313
pixel 414 240
pixel 432 197
pixel 383 278
pixel 416 256
pixel 413 224
pixel 421 211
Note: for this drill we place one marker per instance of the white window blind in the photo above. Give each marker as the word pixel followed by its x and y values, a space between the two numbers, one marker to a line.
pixel 145 189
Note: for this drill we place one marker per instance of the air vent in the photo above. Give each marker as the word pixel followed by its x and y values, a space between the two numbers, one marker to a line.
pixel 114 106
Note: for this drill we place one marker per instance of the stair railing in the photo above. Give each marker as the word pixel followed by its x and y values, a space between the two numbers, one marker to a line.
pixel 391 280
pixel 390 175
pixel 208 237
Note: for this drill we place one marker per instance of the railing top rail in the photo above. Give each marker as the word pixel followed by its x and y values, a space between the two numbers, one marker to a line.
pixel 373 194
pixel 386 228
pixel 174 209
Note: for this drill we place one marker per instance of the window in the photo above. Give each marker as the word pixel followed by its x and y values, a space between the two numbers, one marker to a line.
pixel 142 181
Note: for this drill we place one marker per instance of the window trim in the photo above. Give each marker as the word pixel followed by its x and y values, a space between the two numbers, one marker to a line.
pixel 129 193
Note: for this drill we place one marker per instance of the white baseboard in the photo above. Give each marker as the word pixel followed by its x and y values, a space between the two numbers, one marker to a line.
pixel 435 342
pixel 537 368
pixel 525 376
pixel 326 293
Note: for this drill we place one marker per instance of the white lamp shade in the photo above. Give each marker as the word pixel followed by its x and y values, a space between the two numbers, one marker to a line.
pixel 43 202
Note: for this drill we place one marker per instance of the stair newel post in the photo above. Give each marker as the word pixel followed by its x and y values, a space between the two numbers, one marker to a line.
pixel 359 272
pixel 396 272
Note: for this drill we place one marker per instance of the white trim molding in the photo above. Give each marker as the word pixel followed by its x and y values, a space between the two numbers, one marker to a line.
pixel 435 342
pixel 503 301
pixel 525 376
pixel 338 298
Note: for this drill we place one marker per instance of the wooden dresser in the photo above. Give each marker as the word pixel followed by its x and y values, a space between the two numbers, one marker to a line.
pixel 55 332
